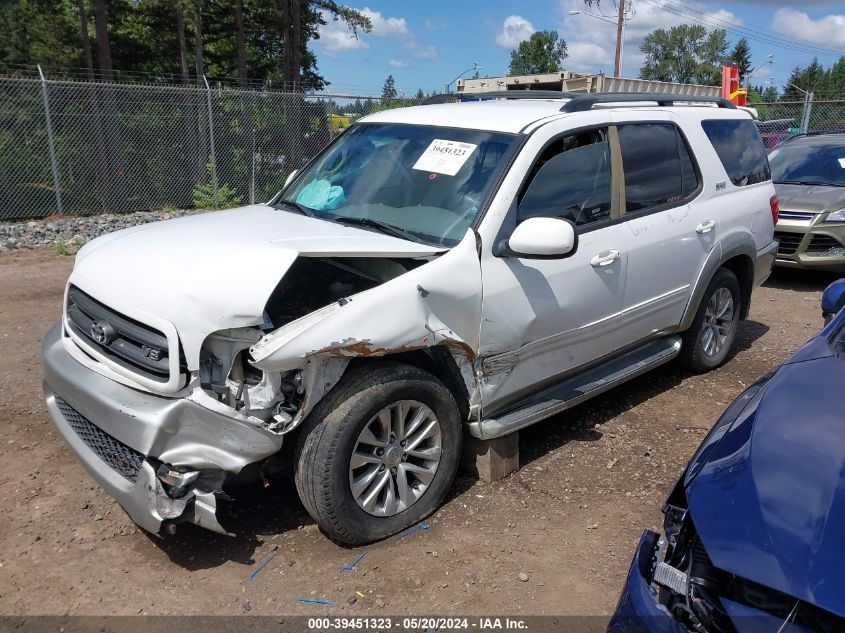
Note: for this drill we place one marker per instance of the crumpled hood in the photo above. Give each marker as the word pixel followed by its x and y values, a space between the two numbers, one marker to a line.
pixel 810 198
pixel 769 504
pixel 213 271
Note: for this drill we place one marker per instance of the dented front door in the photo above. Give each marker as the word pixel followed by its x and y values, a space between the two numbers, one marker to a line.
pixel 544 318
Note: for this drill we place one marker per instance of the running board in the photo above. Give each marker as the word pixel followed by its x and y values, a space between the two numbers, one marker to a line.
pixel 579 388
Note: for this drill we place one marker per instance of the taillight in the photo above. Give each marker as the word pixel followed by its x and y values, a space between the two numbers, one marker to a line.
pixel 773 203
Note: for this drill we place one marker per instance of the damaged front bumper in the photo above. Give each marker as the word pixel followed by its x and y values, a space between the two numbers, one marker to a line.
pixel 638 610
pixel 143 449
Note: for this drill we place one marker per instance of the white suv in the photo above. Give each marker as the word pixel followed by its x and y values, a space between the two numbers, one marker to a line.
pixel 471 266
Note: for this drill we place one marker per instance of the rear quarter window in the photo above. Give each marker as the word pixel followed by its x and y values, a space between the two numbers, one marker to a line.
pixel 740 148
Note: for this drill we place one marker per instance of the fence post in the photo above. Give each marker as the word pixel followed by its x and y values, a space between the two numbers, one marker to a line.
pixel 805 112
pixel 211 142
pixel 51 146
pixel 808 109
pixel 251 131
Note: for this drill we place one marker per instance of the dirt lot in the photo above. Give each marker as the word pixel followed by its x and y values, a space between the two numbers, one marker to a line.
pixel 590 482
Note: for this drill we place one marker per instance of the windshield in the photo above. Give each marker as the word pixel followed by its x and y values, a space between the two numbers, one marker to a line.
pixel 809 163
pixel 419 182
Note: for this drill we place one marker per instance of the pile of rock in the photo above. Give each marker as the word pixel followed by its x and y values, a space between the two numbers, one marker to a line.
pixel 69 233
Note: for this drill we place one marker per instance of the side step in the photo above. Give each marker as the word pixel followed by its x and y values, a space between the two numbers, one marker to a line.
pixel 579 388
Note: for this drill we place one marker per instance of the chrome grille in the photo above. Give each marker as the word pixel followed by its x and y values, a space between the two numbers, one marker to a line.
pixel 126 461
pixel 133 345
pixel 799 216
pixel 788 242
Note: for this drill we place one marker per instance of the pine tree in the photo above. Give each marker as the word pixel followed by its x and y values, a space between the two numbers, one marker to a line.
pixel 388 90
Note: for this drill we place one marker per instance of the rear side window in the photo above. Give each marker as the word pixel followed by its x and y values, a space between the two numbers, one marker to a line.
pixel 740 148
pixel 657 164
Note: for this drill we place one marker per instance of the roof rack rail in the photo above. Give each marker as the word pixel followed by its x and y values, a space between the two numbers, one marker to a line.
pixel 582 103
pixel 501 94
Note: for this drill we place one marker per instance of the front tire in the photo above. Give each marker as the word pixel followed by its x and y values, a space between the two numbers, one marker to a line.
pixel 379 453
pixel 709 339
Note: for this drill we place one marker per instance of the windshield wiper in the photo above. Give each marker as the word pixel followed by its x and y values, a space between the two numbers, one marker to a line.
pixel 295 207
pixel 384 227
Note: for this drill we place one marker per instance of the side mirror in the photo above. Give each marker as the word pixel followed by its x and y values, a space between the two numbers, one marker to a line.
pixel 290 178
pixel 833 299
pixel 541 238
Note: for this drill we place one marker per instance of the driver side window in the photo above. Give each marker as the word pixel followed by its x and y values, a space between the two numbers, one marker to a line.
pixel 571 180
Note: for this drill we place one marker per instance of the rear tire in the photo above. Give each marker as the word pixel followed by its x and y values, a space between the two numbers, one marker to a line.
pixel 708 341
pixel 379 453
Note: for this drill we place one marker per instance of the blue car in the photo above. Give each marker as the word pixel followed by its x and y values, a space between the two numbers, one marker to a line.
pixel 754 529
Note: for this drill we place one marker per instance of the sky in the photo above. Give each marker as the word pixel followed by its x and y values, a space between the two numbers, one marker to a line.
pixel 425 44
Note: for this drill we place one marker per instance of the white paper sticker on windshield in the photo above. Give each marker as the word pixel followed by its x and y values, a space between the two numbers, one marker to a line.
pixel 842 163
pixel 444 157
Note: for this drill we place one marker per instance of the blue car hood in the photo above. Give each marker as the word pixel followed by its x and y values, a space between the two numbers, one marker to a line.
pixel 769 503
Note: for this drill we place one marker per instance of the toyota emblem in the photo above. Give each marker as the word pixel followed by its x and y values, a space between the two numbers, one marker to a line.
pixel 101 332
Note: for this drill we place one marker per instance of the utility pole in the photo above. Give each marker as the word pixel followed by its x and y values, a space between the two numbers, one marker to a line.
pixel 620 24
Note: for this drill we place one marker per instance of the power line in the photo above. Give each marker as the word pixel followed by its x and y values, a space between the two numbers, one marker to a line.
pixel 768 33
pixel 708 19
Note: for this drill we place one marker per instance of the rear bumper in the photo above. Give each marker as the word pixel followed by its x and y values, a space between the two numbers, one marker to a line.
pixel 764 262
pixel 122 436
pixel 819 247
pixel 638 610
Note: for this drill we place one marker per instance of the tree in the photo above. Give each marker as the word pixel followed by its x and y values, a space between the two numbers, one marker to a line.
pixel 42 32
pixel 764 94
pixel 262 40
pixel 103 45
pixel 240 42
pixel 684 54
pixel 810 79
pixel 543 52
pixel 86 40
pixel 741 56
pixel 182 42
pixel 388 90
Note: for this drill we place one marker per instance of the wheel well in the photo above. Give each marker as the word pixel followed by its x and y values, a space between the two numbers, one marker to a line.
pixel 743 267
pixel 439 362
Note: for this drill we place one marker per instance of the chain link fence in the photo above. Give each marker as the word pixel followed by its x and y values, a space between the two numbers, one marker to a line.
pixel 79 148
pixel 72 147
pixel 778 120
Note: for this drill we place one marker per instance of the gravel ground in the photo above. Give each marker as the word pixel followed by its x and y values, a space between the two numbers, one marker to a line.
pixel 554 538
pixel 73 232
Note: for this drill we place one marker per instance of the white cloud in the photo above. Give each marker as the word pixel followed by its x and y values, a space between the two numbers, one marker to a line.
pixel 592 42
pixel 335 36
pixel 425 52
pixel 383 26
pixel 515 29
pixel 398 63
pixel 828 31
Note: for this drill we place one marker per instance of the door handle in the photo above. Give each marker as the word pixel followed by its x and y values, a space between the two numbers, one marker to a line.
pixel 605 258
pixel 705 227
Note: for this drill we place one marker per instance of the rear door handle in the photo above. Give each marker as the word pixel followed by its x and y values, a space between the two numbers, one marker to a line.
pixel 705 227
pixel 605 258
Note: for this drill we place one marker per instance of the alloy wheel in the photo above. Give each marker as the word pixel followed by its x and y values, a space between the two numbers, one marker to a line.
pixel 718 322
pixel 395 458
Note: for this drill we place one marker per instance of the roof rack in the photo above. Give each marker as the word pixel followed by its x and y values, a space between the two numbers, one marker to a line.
pixel 582 103
pixel 501 94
